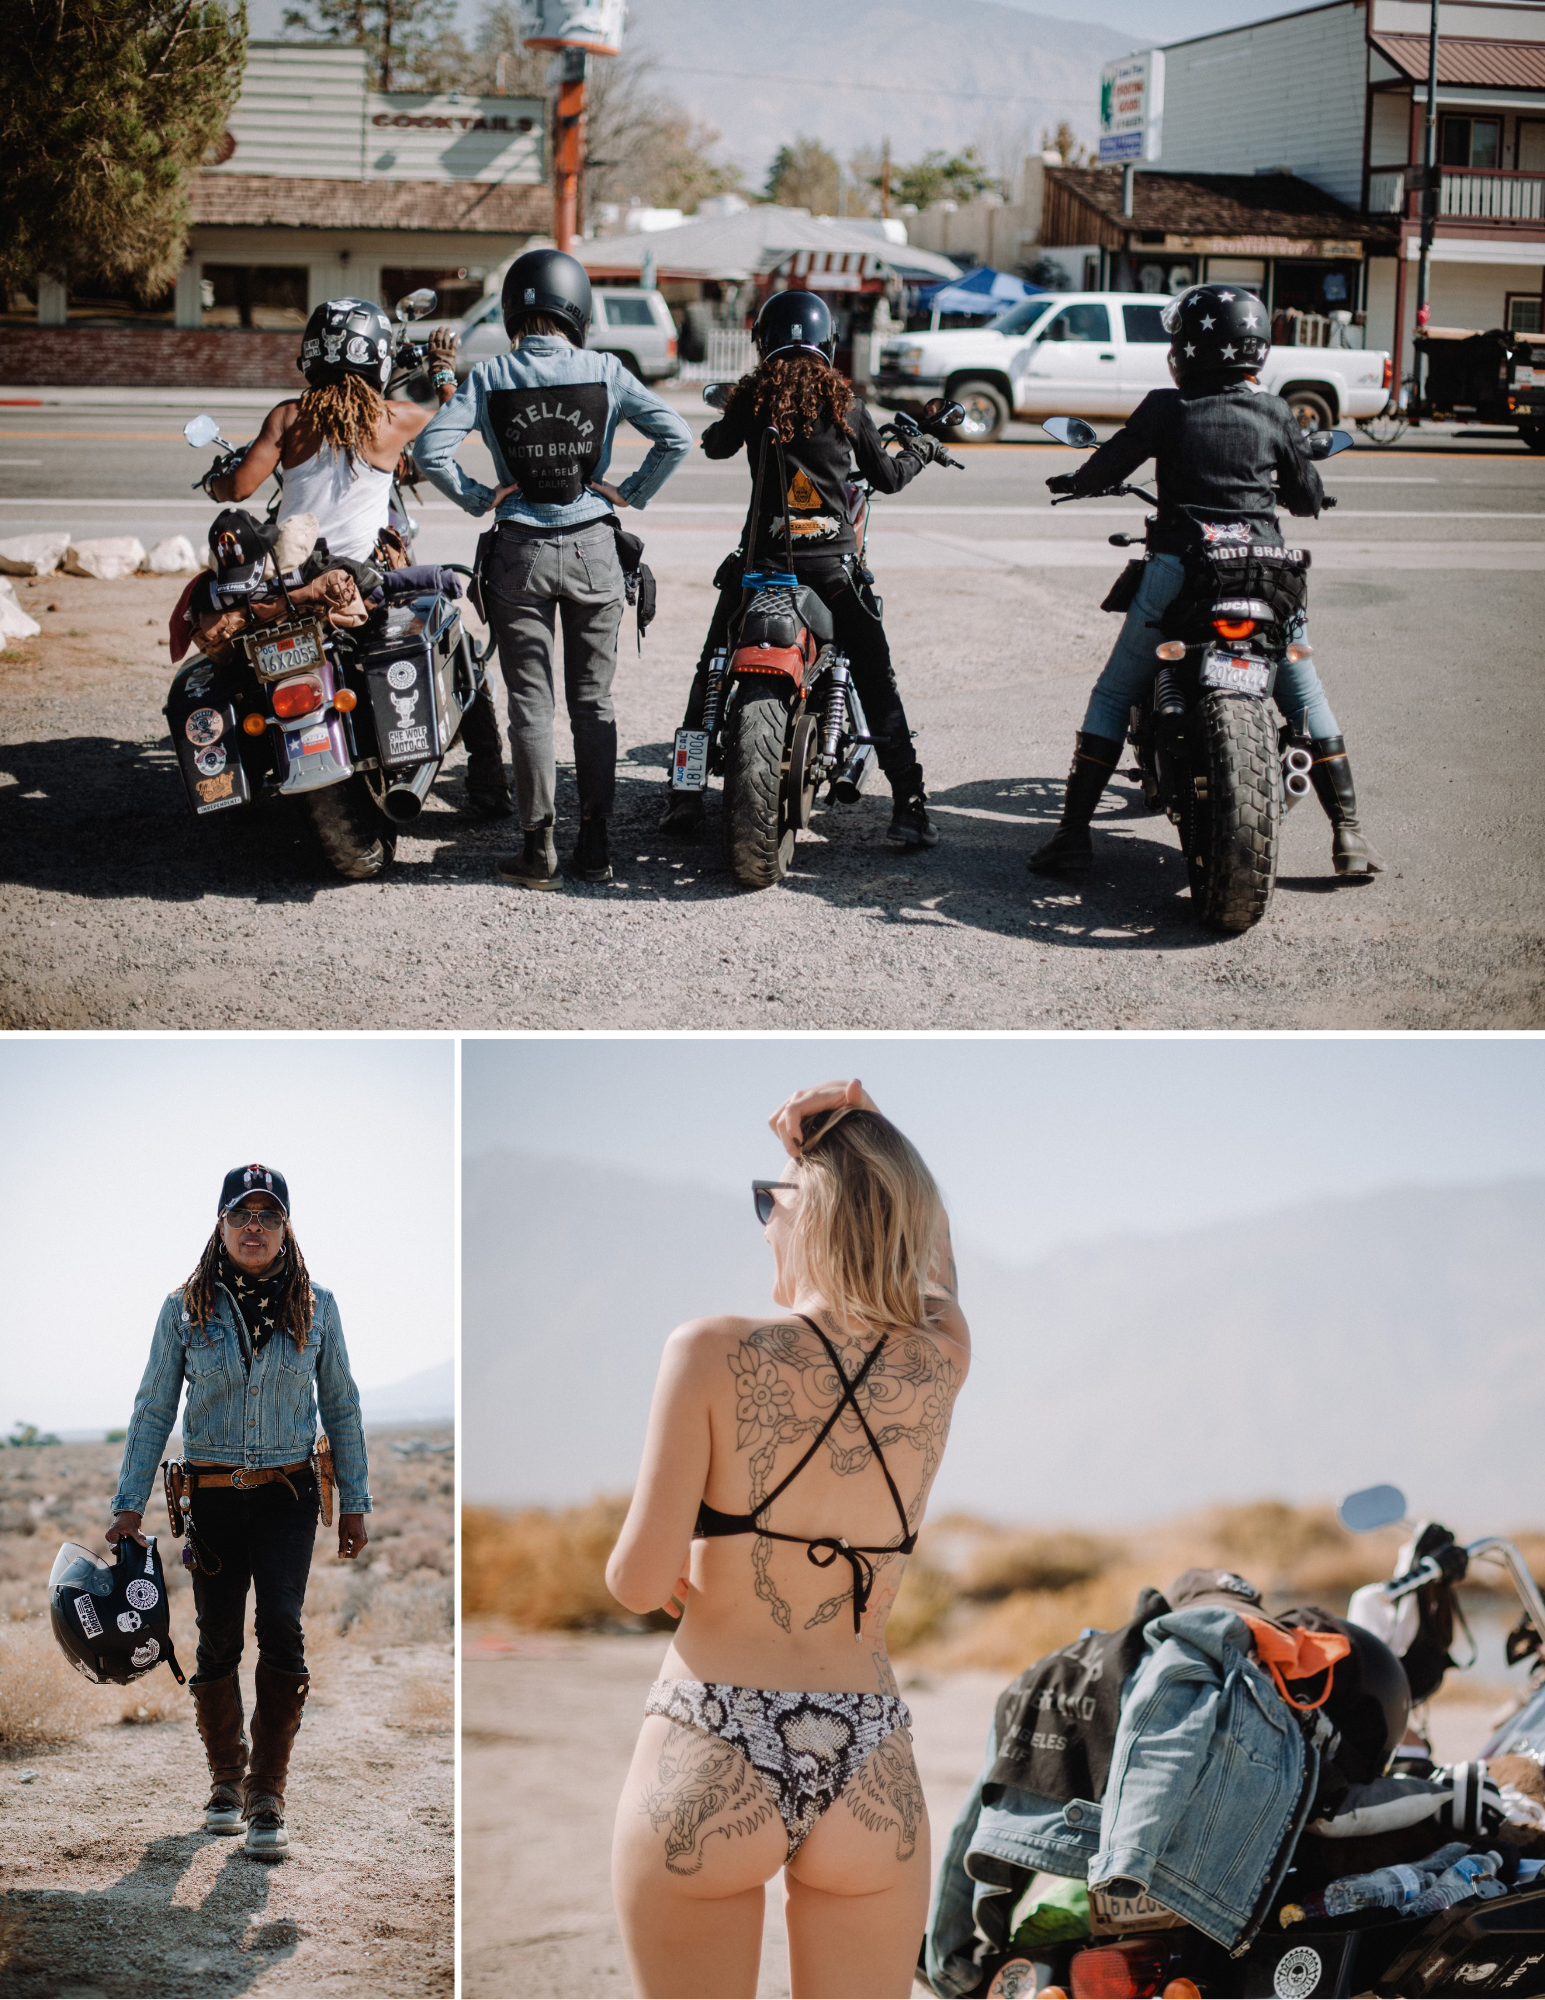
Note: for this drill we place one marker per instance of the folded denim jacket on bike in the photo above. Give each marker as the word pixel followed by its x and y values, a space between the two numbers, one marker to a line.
pixel 1211 1778
pixel 264 1417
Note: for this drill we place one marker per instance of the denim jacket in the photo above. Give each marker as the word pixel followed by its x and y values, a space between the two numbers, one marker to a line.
pixel 547 361
pixel 1210 1784
pixel 231 1418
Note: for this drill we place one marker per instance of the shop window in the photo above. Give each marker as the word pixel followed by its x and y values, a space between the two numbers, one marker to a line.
pixel 1166 277
pixel 1471 142
pixel 1531 145
pixel 457 288
pixel 102 302
pixel 1523 313
pixel 1307 286
pixel 265 298
pixel 1088 322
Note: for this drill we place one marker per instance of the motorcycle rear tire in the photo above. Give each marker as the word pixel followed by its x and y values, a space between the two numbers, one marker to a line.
pixel 804 743
pixel 1233 835
pixel 355 836
pixel 758 832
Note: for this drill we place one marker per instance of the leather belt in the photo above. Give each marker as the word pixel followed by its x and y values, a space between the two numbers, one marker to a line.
pixel 241 1476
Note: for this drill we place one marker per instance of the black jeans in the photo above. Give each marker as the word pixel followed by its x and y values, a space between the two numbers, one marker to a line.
pixel 260 1540
pixel 857 631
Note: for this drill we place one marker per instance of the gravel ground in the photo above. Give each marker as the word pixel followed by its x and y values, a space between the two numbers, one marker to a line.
pixel 1428 595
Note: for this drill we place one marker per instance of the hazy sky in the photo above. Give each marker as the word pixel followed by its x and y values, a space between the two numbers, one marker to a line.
pixel 111 1159
pixel 1041 1143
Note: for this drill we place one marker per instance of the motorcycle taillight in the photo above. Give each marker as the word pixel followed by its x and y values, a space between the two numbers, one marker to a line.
pixel 297 697
pixel 1233 628
pixel 1128 1971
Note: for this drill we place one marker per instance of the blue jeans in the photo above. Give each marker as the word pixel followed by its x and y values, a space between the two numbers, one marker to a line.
pixel 1129 672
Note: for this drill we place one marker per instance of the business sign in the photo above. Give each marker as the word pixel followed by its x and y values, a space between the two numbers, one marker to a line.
pixel 1132 107
pixel 412 137
pixel 595 25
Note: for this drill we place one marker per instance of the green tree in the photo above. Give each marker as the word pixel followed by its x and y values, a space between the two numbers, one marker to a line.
pixel 25 1434
pixel 941 177
pixel 411 43
pixel 805 175
pixel 107 107
pixel 1066 146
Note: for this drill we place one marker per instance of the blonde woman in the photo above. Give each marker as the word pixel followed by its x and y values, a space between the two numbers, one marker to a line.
pixel 785 1472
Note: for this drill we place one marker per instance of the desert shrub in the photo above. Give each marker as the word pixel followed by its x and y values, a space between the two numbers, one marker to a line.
pixel 999 1565
pixel 42 1699
pixel 924 1602
pixel 415 1612
pixel 425 1704
pixel 541 1568
pixel 1016 1631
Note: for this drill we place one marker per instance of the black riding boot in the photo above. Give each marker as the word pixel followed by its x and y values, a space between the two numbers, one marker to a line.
pixel 1070 851
pixel 910 825
pixel 488 789
pixel 1351 849
pixel 592 858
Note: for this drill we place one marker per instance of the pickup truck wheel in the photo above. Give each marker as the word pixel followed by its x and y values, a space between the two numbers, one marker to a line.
pixel 986 412
pixel 1310 410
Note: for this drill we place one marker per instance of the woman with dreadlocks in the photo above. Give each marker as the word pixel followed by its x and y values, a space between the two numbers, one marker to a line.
pixel 261 1351
pixel 336 448
pixel 826 435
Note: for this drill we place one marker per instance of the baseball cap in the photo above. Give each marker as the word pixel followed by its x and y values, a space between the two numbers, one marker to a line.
pixel 242 1181
pixel 1194 1587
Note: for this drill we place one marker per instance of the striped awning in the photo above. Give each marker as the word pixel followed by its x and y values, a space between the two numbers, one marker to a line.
pixel 832 270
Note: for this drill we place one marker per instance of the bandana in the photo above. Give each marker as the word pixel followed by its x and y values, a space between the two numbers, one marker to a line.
pixel 257 1298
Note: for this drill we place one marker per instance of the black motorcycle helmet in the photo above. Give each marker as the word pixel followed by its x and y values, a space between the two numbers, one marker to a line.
pixel 795 323
pixel 547 281
pixel 346 337
pixel 241 545
pixel 1216 330
pixel 112 1620
pixel 1370 1697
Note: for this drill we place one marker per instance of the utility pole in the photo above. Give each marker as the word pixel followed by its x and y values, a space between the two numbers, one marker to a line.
pixel 885 180
pixel 1429 204
pixel 570 67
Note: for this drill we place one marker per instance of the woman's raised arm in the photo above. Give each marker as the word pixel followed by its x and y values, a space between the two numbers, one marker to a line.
pixel 652 1551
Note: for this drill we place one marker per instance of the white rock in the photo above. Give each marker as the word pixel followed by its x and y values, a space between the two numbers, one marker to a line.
pixel 112 556
pixel 176 556
pixel 14 622
pixel 33 555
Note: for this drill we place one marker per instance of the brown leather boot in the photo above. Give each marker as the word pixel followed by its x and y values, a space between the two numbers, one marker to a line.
pixel 217 1711
pixel 1070 851
pixel 275 1719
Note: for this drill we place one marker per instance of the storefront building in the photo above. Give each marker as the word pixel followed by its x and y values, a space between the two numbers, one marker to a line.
pixel 323 187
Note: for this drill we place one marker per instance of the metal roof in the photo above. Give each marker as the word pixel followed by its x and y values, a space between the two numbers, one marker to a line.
pixel 732 248
pixel 1483 65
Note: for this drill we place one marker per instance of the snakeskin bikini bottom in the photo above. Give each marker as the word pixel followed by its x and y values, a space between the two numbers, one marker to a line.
pixel 806 1747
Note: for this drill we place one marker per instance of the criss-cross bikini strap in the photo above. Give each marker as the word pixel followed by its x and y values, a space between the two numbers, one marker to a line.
pixel 848 1397
pixel 831 1422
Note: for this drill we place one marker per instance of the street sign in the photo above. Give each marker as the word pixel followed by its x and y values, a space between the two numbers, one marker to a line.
pixel 593 25
pixel 1132 107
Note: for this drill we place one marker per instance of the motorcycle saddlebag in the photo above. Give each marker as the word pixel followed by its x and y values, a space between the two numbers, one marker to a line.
pixel 201 715
pixel 420 681
pixel 1121 593
pixel 1277 577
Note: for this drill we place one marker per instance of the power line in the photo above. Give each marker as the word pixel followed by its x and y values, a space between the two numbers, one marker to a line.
pixel 881 89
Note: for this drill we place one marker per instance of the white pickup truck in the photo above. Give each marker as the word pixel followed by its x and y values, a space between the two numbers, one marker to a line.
pixel 1096 355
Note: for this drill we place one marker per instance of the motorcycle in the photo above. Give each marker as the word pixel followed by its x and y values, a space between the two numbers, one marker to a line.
pixel 1474 1946
pixel 1208 752
pixel 781 716
pixel 352 725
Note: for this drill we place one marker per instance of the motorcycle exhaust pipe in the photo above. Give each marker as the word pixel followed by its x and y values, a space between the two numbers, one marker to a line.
pixel 1296 782
pixel 849 781
pixel 405 796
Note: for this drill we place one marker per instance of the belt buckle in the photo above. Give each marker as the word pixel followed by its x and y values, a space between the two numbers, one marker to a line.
pixel 236 1479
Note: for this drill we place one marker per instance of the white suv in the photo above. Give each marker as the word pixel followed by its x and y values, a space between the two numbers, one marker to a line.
pixel 1096 355
pixel 634 325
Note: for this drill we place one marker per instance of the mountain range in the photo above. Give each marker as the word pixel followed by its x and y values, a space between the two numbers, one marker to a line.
pixel 1329 1346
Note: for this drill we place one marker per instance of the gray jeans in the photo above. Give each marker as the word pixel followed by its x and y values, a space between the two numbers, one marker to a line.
pixel 534 580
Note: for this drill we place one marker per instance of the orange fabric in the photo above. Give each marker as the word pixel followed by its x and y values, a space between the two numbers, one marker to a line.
pixel 1292 1654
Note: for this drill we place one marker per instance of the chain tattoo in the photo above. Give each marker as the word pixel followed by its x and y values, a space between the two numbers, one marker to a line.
pixel 887 1792
pixel 702 1787
pixel 906 1398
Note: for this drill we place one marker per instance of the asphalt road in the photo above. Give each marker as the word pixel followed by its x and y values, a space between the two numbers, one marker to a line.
pixel 1427 602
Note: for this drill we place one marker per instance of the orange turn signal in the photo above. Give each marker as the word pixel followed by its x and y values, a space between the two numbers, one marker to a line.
pixel 1233 628
pixel 345 701
pixel 1300 650
pixel 254 725
pixel 1171 649
pixel 1181 1989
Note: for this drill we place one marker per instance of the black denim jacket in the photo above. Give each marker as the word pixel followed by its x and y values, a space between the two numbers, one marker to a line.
pixel 819 463
pixel 1216 449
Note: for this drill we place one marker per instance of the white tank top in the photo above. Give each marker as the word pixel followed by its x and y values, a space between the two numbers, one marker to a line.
pixel 350 499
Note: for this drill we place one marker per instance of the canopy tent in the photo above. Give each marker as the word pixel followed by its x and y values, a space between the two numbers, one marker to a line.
pixel 983 290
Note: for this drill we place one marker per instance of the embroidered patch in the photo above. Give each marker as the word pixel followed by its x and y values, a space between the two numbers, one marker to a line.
pixel 1297 1974
pixel 128 1621
pixel 142 1595
pixel 146 1655
pixel 86 1612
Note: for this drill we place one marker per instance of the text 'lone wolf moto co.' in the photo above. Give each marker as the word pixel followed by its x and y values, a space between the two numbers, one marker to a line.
pixel 261 1350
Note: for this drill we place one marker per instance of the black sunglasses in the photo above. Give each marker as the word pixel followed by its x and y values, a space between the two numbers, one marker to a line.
pixel 765 1200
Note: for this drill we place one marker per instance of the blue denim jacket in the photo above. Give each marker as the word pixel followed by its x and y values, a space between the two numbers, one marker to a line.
pixel 547 361
pixel 231 1419
pixel 1210 1784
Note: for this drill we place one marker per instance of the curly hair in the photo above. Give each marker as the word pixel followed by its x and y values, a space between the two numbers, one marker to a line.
pixel 347 413
pixel 793 392
pixel 297 1301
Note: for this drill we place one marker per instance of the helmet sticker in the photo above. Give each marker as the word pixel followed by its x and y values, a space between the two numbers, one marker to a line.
pixel 144 1656
pixel 86 1612
pixel 530 295
pixel 142 1595
pixel 204 725
pixel 357 350
pixel 210 762
pixel 401 674
pixel 128 1621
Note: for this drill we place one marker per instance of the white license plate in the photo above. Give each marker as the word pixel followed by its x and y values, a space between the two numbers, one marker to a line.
pixel 1236 676
pixel 689 766
pixel 288 654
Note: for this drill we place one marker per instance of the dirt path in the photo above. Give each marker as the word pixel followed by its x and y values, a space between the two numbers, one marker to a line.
pixel 547 1735
pixel 110 1888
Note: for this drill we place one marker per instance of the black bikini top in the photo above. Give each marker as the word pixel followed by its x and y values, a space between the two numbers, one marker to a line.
pixel 711 1523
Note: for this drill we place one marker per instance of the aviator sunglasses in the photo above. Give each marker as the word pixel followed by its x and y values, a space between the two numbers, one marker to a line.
pixel 765 1200
pixel 269 1218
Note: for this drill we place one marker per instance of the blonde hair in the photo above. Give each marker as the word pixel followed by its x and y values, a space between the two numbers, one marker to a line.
pixel 868 1220
pixel 347 414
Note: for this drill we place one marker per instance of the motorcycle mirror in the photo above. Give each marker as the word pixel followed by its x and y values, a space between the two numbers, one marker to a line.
pixel 417 305
pixel 1073 431
pixel 200 431
pixel 1372 1507
pixel 717 394
pixel 950 414
pixel 1325 444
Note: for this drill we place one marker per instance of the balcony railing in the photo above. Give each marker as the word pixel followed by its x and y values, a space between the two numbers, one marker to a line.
pixel 1475 194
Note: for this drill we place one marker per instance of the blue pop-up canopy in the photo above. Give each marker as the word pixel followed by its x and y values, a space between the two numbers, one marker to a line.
pixel 983 290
